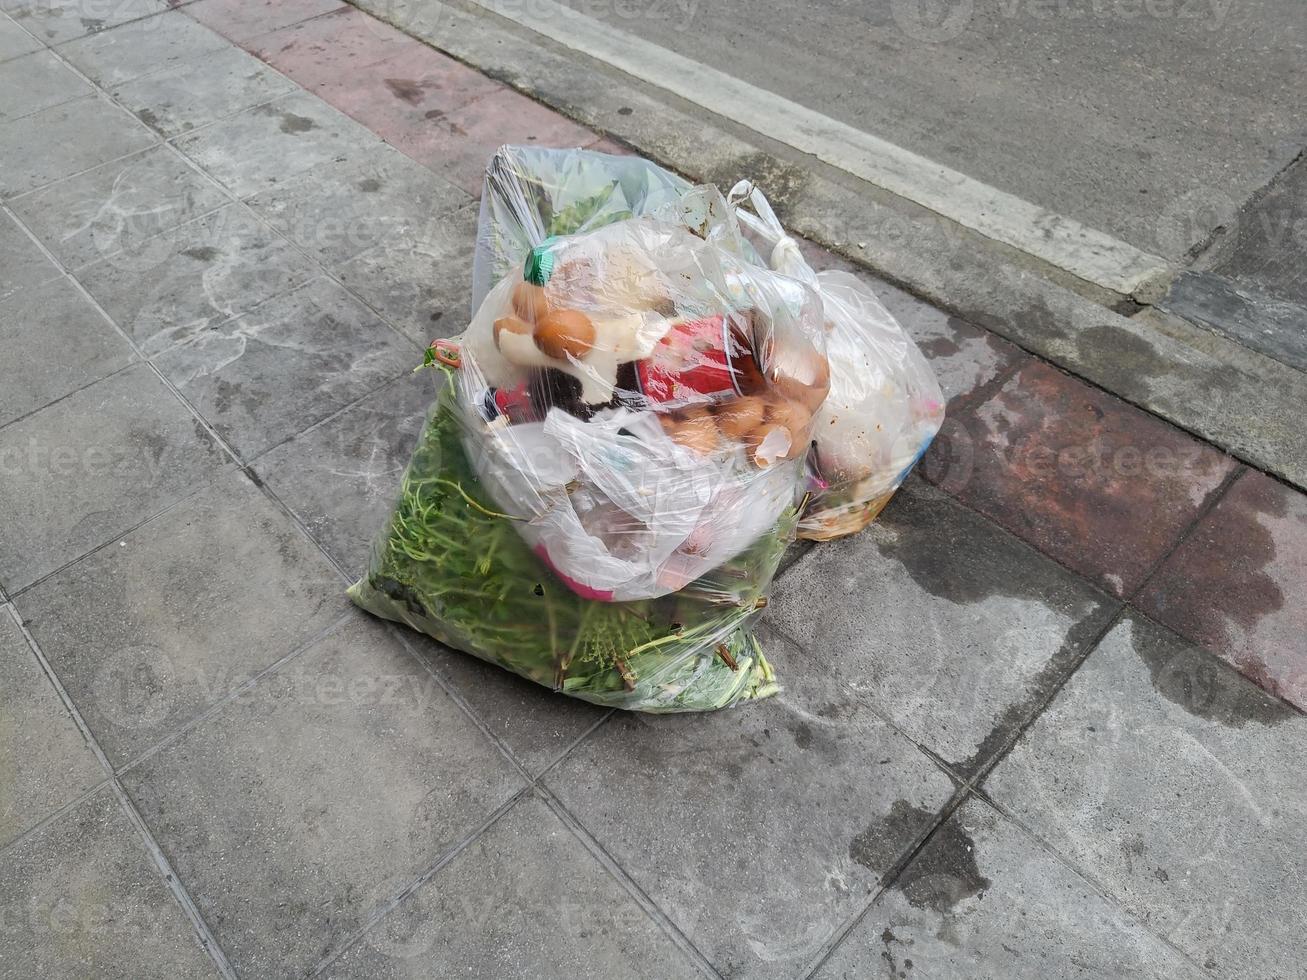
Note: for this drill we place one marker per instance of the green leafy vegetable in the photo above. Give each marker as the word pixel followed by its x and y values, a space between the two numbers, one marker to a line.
pixel 452 566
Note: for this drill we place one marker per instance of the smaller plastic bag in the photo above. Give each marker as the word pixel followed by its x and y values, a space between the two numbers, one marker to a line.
pixel 642 395
pixel 884 406
pixel 533 193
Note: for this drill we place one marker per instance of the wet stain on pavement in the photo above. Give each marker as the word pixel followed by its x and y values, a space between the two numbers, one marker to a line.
pixel 1204 686
pixel 1218 586
pixel 1109 349
pixel 407 90
pixel 202 253
pixel 295 124
pixel 940 347
pixel 883 843
pixel 369 185
pixel 1091 481
pixel 945 872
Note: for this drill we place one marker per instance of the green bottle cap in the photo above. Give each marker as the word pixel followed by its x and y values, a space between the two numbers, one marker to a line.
pixel 540 263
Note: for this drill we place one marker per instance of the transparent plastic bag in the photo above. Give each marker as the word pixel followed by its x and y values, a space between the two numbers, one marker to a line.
pixel 884 406
pixel 607 483
pixel 531 193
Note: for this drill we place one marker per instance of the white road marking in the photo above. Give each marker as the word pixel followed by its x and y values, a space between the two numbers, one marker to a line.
pixel 1092 255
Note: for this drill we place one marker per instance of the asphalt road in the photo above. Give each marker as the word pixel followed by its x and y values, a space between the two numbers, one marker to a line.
pixel 1148 120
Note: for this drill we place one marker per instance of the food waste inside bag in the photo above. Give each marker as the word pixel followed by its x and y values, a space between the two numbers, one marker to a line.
pixel 622 442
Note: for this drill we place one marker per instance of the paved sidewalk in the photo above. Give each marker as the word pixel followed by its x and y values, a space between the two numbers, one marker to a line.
pixel 1042 720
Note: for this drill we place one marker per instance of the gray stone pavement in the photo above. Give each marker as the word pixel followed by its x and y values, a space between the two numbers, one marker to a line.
pixel 982 764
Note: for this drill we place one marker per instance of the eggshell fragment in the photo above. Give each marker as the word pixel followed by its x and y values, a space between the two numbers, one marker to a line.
pixel 694 428
pixel 530 301
pixel 806 382
pixel 511 323
pixel 739 416
pixel 561 334
pixel 793 415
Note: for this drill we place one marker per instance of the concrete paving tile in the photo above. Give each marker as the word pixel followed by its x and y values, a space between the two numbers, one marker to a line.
pixel 243 19
pixel 57 21
pixel 175 285
pixel 82 898
pixel 1175 784
pixel 116 207
pixel 37 81
pixel 268 144
pixel 45 762
pixel 142 47
pixel 195 93
pixel 984 900
pixel 1238 585
pixel 147 634
pixel 1097 484
pixel 400 97
pixel 458 144
pixel 536 725
pixel 341 478
pixel 759 830
pixel 14 41
pixel 420 284
pixel 338 210
pixel 301 807
pixel 569 917
pixel 53 341
pixel 59 142
pixel 332 47
pixel 91 466
pixel 939 621
pixel 270 374
pixel 22 263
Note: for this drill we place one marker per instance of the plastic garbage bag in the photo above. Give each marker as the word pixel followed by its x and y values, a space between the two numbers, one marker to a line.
pixel 884 406
pixel 628 429
pixel 614 467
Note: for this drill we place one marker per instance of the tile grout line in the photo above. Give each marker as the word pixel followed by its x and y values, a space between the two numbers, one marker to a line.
pixel 54 817
pixel 397 632
pixel 628 883
pixel 956 778
pixel 380 912
pixel 1209 504
pixel 886 882
pixel 1084 875
pixel 69 394
pixel 85 293
pixel 170 879
pixel 233 695
pixel 186 497
pixel 81 37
